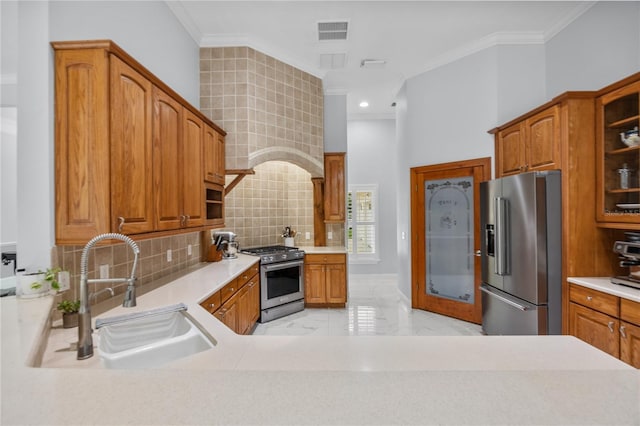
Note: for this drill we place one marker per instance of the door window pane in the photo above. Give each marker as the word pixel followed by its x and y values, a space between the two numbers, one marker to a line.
pixel 449 239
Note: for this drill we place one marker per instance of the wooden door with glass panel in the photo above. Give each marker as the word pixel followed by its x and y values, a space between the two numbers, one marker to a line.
pixel 445 223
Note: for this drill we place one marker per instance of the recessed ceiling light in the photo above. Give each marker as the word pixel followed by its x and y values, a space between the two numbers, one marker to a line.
pixel 364 104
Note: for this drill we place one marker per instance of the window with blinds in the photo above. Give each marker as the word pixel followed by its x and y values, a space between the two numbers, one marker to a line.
pixel 362 222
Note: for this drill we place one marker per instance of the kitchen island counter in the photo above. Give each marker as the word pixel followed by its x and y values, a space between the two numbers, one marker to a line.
pixel 317 380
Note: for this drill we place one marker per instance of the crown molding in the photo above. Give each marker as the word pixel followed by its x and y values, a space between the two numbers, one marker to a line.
pixel 491 40
pixel 233 40
pixel 578 11
pixel 183 17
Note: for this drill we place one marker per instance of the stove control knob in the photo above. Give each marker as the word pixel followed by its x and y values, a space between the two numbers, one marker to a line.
pixel 284 256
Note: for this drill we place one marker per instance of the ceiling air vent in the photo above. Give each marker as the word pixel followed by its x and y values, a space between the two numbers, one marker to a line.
pixel 332 61
pixel 332 30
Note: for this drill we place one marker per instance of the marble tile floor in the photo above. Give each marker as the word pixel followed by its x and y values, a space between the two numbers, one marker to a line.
pixel 375 307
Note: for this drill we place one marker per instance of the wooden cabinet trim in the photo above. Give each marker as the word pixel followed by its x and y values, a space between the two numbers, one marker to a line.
pixel 557 100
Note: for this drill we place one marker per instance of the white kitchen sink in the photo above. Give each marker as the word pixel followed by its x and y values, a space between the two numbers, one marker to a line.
pixel 151 340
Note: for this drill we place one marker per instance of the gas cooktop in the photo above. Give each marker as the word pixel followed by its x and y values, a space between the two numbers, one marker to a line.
pixel 274 254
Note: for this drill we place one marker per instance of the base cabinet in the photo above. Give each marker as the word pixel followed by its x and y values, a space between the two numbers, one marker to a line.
pixel 610 323
pixel 595 328
pixel 237 304
pixel 325 280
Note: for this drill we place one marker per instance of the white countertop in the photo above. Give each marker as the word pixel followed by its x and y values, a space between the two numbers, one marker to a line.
pixel 605 285
pixel 315 380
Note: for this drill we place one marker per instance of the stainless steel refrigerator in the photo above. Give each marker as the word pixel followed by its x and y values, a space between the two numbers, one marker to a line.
pixel 521 217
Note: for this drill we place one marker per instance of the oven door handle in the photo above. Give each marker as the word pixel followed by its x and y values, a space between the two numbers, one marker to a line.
pixel 282 265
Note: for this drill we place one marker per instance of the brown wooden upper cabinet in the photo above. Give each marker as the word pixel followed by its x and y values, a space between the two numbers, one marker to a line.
pixel 128 149
pixel 334 187
pixel 177 137
pixel 618 163
pixel 214 163
pixel 531 144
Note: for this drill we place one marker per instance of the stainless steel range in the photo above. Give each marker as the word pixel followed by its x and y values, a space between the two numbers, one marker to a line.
pixel 281 280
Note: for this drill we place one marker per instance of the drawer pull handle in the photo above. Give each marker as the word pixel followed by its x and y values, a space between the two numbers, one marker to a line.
pixel 213 305
pixel 610 325
pixel 622 333
pixel 121 224
pixel 589 298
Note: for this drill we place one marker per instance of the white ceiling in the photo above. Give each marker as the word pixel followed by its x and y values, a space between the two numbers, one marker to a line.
pixel 411 36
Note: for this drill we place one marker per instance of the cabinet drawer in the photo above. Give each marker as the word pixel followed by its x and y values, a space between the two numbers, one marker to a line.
pixel 247 275
pixel 594 299
pixel 227 291
pixel 630 311
pixel 212 303
pixel 325 258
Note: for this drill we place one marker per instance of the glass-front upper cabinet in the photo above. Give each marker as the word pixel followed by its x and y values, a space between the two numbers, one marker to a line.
pixel 618 155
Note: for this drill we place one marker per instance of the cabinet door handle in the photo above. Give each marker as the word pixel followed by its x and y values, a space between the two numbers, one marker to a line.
pixel 622 333
pixel 121 224
pixel 212 305
pixel 610 325
pixel 589 298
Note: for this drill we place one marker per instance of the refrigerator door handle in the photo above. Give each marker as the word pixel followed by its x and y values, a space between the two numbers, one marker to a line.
pixel 501 236
pixel 503 299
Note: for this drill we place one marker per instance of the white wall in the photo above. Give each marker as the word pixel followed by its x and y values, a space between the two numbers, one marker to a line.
pixel 444 114
pixel 147 30
pixel 372 160
pixel 8 176
pixel 446 117
pixel 601 47
pixel 335 123
pixel 35 137
pixel 403 203
pixel 520 80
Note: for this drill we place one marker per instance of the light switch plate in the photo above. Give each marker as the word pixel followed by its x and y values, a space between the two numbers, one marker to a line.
pixel 63 280
pixel 169 255
pixel 189 250
pixel 307 235
pixel 329 235
pixel 104 271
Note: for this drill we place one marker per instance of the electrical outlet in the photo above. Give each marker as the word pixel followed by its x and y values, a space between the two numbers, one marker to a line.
pixel 329 235
pixel 169 255
pixel 307 235
pixel 64 280
pixel 104 272
pixel 189 250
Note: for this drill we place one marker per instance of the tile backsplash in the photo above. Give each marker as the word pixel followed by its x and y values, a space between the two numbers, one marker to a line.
pixel 152 262
pixel 279 194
